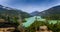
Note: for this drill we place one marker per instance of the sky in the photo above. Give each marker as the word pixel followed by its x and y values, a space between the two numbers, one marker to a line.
pixel 30 5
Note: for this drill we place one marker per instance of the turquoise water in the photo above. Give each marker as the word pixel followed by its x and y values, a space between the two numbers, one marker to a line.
pixel 29 21
pixel 38 18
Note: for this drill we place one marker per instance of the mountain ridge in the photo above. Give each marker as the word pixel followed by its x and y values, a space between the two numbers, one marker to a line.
pixel 12 12
pixel 50 11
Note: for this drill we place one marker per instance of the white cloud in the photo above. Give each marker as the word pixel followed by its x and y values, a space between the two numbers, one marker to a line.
pixel 26 8
pixel 4 2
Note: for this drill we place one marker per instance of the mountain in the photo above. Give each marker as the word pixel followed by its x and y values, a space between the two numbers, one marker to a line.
pixel 34 13
pixel 4 11
pixel 52 11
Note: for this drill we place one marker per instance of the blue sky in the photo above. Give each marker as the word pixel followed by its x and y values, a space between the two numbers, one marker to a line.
pixel 30 5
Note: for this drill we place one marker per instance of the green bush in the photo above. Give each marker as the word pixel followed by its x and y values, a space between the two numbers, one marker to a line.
pixel 53 27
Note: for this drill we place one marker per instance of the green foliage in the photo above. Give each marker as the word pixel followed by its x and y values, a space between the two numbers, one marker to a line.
pixel 9 19
pixel 37 24
pixel 53 17
pixel 15 20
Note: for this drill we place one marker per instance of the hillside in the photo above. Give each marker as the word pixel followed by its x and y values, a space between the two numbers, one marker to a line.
pixel 52 11
pixel 12 12
pixel 35 13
